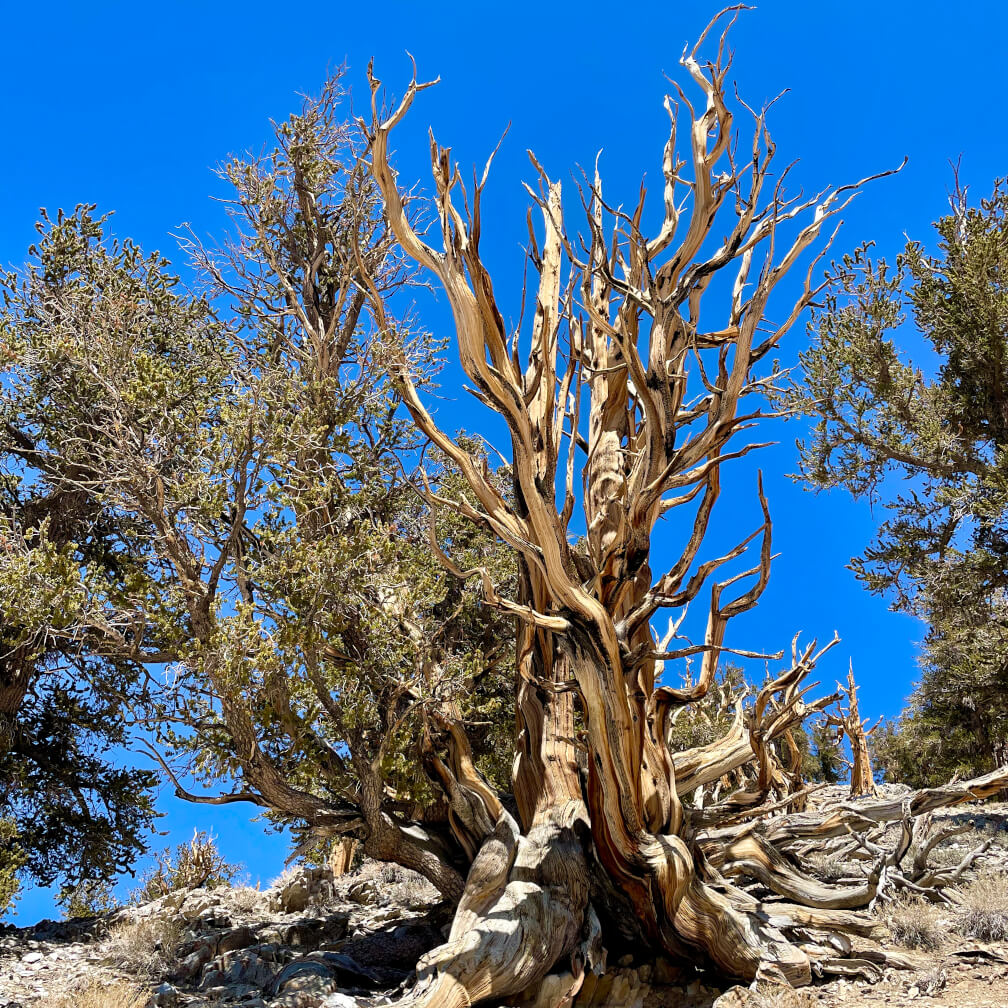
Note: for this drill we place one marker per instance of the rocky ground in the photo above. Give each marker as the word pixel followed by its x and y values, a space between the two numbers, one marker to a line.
pixel 312 941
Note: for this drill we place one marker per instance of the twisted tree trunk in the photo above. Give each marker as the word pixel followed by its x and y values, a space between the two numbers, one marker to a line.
pixel 848 722
pixel 624 384
pixel 342 854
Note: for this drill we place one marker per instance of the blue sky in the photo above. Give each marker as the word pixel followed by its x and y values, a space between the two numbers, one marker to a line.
pixel 129 106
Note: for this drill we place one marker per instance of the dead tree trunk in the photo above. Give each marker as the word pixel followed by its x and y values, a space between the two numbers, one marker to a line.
pixel 848 722
pixel 627 386
pixel 342 854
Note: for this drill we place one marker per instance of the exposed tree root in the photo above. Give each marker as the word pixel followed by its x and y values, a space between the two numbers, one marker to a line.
pixel 525 907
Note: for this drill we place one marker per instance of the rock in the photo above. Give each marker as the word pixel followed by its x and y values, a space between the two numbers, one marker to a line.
pixel 301 889
pixel 165 996
pixel 303 934
pixel 365 892
pixel 310 932
pixel 174 899
pixel 198 903
pixel 318 981
pixel 241 967
pixel 398 949
pixel 248 968
pixel 389 913
pixel 232 992
pixel 270 952
pixel 331 967
pixel 339 1001
pixel 31 957
pixel 236 938
pixel 294 897
pixel 212 979
pixel 347 969
pixel 298 999
pixel 192 964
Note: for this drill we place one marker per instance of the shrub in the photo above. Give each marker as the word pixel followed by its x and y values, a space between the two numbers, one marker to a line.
pixel 770 995
pixel 146 947
pixel 104 992
pixel 985 908
pixel 828 868
pixel 193 865
pixel 934 981
pixel 391 873
pixel 914 924
pixel 245 899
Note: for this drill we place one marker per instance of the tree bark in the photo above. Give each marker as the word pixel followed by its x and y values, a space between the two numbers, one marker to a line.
pixel 849 722
pixel 615 333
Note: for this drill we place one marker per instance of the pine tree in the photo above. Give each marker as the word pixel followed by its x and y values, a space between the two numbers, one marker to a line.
pixel 930 442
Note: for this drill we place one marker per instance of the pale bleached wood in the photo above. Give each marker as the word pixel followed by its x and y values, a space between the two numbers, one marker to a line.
pixel 622 361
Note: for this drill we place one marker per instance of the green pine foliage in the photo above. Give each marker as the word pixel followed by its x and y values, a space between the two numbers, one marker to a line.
pixel 928 440
pixel 12 860
pixel 88 899
pixel 254 579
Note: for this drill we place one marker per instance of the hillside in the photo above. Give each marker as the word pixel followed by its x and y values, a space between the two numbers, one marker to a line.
pixel 312 941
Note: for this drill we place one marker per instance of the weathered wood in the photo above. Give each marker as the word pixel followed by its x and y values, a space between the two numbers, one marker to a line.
pixel 623 364
pixel 342 854
pixel 848 722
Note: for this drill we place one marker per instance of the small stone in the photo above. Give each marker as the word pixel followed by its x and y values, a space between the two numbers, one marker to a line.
pixel 165 996
pixel 32 957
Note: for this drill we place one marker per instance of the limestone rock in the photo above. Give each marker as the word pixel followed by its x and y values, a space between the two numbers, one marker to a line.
pixel 165 996
pixel 365 892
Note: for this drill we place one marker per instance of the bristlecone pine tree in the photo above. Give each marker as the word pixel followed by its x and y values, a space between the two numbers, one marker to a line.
pixel 240 456
pixel 926 439
pixel 617 347
pixel 848 722
pixel 252 447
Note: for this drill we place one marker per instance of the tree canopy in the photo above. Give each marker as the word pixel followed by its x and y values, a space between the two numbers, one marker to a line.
pixel 928 440
pixel 256 582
